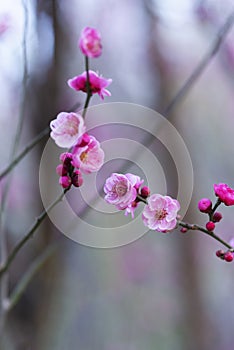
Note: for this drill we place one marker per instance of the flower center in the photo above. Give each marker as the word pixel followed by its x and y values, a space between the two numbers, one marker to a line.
pixel 121 189
pixel 71 127
pixel 160 214
pixel 92 44
pixel 84 157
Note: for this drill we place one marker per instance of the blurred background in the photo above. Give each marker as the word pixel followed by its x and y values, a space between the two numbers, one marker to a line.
pixel 162 291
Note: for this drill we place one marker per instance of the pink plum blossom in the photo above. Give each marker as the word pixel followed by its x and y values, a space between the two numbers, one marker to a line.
pixel 121 190
pixel 89 158
pixel 61 170
pixel 160 213
pixel 68 174
pixel 217 217
pixel 90 42
pixel 210 226
pixel 98 84
pixel 205 205
pixel 65 181
pixel 224 193
pixel 145 192
pixel 77 179
pixel 66 158
pixel 66 167
pixel 67 128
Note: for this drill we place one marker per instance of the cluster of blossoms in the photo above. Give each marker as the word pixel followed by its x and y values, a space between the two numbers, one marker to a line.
pixel 160 212
pixel 67 172
pixel 90 45
pixel 224 195
pixel 85 154
pixel 123 191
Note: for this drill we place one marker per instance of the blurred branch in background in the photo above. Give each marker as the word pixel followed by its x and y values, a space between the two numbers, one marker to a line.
pixel 220 37
pixel 42 102
pixel 205 61
pixel 5 266
pixel 35 266
pixel 22 111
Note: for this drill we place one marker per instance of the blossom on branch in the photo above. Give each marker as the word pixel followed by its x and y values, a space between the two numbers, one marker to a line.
pixel 224 193
pixel 68 174
pixel 90 157
pixel 205 205
pixel 121 190
pixel 97 83
pixel 66 129
pixel 160 213
pixel 65 181
pixel 90 42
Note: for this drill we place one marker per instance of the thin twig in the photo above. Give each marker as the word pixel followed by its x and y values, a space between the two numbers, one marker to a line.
pixel 27 148
pixel 197 227
pixel 30 273
pixel 88 87
pixel 203 64
pixel 209 233
pixel 217 204
pixel 3 236
pixel 29 234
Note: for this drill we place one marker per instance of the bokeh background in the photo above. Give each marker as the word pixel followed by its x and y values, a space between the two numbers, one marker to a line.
pixel 162 291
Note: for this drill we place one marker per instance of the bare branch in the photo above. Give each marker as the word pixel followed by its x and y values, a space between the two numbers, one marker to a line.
pixel 29 234
pixel 30 273
pixel 202 65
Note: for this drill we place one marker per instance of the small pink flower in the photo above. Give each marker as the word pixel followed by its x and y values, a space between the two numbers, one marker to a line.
pixel 160 213
pixel 66 158
pixel 210 226
pixel 89 158
pixel 61 170
pixel 120 190
pixel 66 129
pixel 145 192
pixel 205 205
pixel 90 42
pixel 217 217
pixel 77 179
pixel 68 175
pixel 225 193
pixel 98 84
pixel 228 256
pixel 65 181
pixel 220 253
